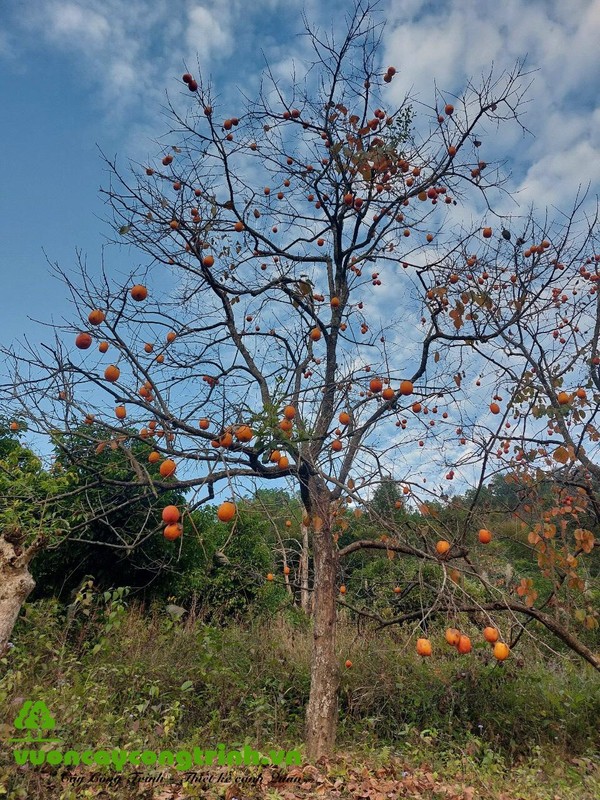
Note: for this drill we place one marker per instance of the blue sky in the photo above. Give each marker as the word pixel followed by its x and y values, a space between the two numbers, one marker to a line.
pixel 76 75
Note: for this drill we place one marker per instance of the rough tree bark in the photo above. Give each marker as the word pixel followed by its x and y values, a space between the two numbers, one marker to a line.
pixel 16 583
pixel 322 711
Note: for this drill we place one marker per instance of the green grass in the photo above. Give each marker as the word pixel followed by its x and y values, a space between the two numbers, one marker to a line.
pixel 121 677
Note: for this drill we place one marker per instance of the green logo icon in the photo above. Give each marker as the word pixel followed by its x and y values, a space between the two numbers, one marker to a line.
pixel 34 716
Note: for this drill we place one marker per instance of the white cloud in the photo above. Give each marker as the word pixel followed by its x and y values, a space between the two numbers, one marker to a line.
pixel 78 26
pixel 452 42
pixel 208 31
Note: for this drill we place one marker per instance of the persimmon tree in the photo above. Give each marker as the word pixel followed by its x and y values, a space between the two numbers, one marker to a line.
pixel 314 306
pixel 27 522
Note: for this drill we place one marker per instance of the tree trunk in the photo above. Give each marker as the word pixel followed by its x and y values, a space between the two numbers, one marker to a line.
pixel 305 598
pixel 322 711
pixel 16 583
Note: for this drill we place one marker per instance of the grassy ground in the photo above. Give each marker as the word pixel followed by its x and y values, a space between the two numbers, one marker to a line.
pixel 446 727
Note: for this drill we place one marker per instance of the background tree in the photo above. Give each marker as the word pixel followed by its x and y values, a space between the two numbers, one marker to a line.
pixel 81 515
pixel 29 521
pixel 326 305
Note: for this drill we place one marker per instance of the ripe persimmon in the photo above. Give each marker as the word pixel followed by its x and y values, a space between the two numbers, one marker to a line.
pixel 173 532
pixel 491 635
pixel 96 317
pixel 111 373
pixel 83 341
pixel 244 433
pixel 226 439
pixel 501 651
pixel 485 536
pixel 120 412
pixel 139 292
pixel 375 385
pixel 442 547
pixel 452 636
pixel 315 334
pixel 167 468
pixel 204 424
pixel 170 515
pixel 406 388
pixel 423 647
pixel 226 511
pixel 464 644
pixel 344 418
pixel 289 412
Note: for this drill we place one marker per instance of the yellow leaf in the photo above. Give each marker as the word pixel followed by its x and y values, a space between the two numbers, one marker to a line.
pixel 585 539
pixel 530 599
pixel 561 455
pixel 549 531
